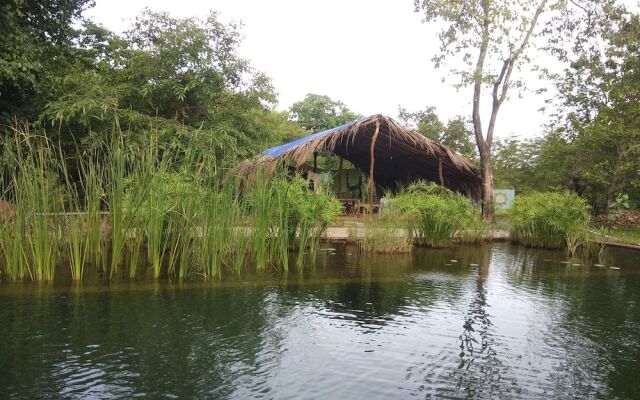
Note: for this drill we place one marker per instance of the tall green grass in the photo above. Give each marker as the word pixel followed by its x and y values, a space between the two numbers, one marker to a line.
pixel 32 243
pixel 437 217
pixel 383 234
pixel 145 208
pixel 286 217
pixel 550 220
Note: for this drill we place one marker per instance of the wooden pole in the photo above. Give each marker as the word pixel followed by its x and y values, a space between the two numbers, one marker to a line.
pixel 372 163
pixel 315 162
pixel 340 176
pixel 440 172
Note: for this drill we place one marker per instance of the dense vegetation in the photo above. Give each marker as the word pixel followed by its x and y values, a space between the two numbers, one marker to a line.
pixel 116 148
pixel 180 77
pixel 177 217
pixel 436 216
pixel 550 220
pixel 184 79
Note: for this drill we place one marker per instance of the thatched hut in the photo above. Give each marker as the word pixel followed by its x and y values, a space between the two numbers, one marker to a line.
pixel 389 153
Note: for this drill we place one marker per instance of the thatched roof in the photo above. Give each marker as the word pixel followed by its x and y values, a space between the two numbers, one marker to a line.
pixel 400 155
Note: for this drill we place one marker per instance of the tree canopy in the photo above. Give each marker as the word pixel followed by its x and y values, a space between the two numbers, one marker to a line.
pixel 456 134
pixel 78 82
pixel 600 91
pixel 318 113
pixel 35 44
pixel 182 77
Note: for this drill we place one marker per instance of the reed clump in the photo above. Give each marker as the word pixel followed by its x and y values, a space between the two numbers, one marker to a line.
pixel 550 220
pixel 438 217
pixel 382 234
pixel 31 241
pixel 148 209
pixel 287 217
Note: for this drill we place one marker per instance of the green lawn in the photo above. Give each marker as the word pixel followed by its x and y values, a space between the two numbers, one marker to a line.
pixel 626 235
pixel 618 235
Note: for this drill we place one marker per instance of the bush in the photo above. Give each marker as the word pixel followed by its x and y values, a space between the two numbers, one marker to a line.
pixel 435 216
pixel 550 220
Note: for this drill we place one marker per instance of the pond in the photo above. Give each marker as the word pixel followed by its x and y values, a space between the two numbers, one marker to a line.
pixel 471 322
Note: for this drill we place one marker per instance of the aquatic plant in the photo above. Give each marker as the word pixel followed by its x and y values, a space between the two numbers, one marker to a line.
pixel 115 186
pixel 550 220
pixel 12 240
pixel 38 198
pixel 132 205
pixel 437 217
pixel 383 234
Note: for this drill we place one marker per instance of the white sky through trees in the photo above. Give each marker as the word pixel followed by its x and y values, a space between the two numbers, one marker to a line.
pixel 373 55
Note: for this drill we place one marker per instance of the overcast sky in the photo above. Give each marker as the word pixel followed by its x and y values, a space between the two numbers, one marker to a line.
pixel 373 55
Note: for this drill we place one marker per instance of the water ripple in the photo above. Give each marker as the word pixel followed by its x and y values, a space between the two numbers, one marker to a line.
pixel 501 322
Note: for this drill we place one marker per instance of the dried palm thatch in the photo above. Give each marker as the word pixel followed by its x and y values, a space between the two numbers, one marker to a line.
pixel 380 147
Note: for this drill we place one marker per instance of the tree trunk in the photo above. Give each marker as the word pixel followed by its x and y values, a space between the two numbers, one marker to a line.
pixel 486 172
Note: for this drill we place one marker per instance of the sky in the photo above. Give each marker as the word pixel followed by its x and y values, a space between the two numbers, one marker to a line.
pixel 373 55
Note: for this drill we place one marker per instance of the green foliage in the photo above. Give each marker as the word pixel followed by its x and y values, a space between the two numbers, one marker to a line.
pixel 550 219
pixel 180 77
pixel 318 113
pixel 618 207
pixel 538 164
pixel 436 216
pixel 600 93
pixel 456 134
pixel 383 234
pixel 35 44
pixel 285 209
pixel 169 216
pixel 31 243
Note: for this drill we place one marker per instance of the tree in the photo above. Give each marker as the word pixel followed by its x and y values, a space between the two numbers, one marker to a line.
pixel 181 77
pixel 601 91
pixel 318 113
pixel 35 38
pixel 491 37
pixel 425 121
pixel 455 134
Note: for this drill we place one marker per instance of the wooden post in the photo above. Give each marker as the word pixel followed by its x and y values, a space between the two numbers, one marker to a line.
pixel 340 177
pixel 440 171
pixel 315 162
pixel 372 163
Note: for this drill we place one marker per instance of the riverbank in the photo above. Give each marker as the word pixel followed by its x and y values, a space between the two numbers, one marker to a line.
pixel 357 231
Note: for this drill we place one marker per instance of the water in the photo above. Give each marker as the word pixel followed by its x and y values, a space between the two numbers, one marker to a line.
pixel 498 322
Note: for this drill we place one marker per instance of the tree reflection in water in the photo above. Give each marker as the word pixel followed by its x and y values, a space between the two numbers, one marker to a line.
pixel 480 371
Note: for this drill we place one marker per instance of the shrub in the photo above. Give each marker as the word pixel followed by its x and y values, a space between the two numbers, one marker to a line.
pixel 435 216
pixel 550 220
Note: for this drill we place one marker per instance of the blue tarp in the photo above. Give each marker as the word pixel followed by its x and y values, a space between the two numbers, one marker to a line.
pixel 278 150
